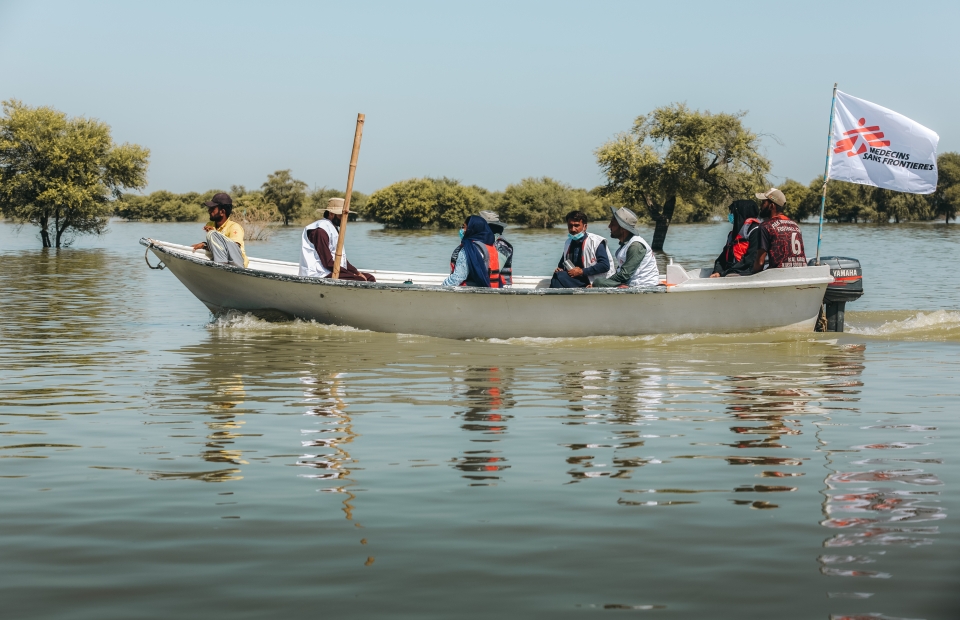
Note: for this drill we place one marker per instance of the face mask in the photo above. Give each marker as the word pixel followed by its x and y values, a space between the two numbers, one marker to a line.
pixel 730 217
pixel 461 233
pixel 576 237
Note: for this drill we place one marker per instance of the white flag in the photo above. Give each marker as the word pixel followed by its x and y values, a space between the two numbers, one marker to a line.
pixel 876 146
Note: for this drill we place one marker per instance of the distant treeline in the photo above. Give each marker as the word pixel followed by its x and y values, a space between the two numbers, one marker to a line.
pixel 849 202
pixel 414 203
pixel 280 199
pixel 674 165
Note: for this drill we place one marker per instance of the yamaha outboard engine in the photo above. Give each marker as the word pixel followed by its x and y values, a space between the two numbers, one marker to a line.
pixel 847 286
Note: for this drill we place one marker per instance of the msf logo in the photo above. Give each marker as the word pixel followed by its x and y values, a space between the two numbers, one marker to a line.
pixel 856 140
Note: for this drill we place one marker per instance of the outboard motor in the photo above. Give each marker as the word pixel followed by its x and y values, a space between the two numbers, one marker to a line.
pixel 847 286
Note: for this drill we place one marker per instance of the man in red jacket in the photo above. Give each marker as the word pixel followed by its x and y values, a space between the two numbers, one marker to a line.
pixel 781 242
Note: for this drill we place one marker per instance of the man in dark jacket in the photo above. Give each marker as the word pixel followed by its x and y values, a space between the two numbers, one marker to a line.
pixel 585 255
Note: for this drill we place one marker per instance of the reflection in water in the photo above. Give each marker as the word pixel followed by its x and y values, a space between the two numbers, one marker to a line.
pixel 616 415
pixel 328 454
pixel 222 419
pixel 620 397
pixel 694 461
pixel 61 347
pixel 866 506
pixel 488 396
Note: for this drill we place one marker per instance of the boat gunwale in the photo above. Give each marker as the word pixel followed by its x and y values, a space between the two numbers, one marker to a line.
pixel 163 247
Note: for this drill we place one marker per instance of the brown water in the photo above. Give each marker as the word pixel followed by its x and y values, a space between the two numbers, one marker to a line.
pixel 157 463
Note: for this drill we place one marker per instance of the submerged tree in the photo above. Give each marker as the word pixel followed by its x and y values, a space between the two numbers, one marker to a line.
pixel 946 200
pixel 286 193
pixel 318 199
pixel 675 153
pixel 419 203
pixel 161 206
pixel 60 173
pixel 543 203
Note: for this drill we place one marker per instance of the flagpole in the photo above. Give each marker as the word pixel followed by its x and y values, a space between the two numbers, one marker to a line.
pixel 826 171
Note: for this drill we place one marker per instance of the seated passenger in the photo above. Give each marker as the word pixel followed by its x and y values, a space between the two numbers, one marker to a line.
pixel 504 248
pixel 319 245
pixel 743 242
pixel 781 242
pixel 478 263
pixel 224 236
pixel 585 256
pixel 636 265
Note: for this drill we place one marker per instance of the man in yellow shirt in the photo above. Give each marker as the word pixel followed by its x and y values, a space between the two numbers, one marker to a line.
pixel 224 236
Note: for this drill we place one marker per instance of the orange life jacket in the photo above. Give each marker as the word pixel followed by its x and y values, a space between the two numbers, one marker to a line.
pixel 490 258
pixel 741 243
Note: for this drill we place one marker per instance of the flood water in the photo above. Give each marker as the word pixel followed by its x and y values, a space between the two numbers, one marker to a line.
pixel 156 462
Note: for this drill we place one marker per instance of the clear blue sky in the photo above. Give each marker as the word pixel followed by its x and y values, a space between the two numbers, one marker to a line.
pixel 485 92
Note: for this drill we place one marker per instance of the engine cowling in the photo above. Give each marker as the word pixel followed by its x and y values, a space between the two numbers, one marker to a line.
pixel 847 286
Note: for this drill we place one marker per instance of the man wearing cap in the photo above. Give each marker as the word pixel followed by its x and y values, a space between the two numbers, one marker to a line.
pixel 504 248
pixel 224 236
pixel 318 246
pixel 635 263
pixel 781 242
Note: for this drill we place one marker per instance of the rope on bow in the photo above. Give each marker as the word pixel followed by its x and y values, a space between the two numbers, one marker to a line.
pixel 159 266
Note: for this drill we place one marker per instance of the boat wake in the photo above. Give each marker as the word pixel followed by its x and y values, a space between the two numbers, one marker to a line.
pixel 938 325
pixel 652 340
pixel 907 325
pixel 244 321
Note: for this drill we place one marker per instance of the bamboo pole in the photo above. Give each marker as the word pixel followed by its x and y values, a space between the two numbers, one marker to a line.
pixel 346 201
pixel 826 171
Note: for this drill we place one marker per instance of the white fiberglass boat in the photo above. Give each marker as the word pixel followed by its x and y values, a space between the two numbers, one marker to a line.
pixel 414 303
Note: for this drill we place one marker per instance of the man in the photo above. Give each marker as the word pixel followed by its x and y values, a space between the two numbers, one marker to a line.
pixel 224 236
pixel 585 255
pixel 635 263
pixel 504 248
pixel 781 242
pixel 319 245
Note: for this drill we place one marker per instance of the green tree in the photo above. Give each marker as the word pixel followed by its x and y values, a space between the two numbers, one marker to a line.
pixel 161 206
pixel 591 203
pixel 846 202
pixel 543 202
pixel 286 194
pixel 491 200
pixel 677 153
pixel 454 202
pixel 803 201
pixel 62 172
pixel 945 202
pixel 318 199
pixel 899 206
pixel 419 203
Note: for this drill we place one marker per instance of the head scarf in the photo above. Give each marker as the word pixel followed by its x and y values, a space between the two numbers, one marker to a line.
pixel 742 210
pixel 477 230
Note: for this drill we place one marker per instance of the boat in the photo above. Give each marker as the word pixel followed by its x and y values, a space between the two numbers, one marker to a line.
pixel 415 303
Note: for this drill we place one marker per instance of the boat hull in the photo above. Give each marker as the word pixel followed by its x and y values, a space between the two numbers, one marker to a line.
pixel 483 313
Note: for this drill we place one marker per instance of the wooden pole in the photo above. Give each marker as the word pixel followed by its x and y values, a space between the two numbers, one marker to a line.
pixel 346 201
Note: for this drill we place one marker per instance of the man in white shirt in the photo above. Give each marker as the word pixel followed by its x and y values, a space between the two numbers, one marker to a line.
pixel 319 246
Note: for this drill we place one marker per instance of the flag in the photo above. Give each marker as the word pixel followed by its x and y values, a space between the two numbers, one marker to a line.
pixel 872 145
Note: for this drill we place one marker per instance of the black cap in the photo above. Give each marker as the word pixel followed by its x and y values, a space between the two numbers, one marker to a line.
pixel 219 200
